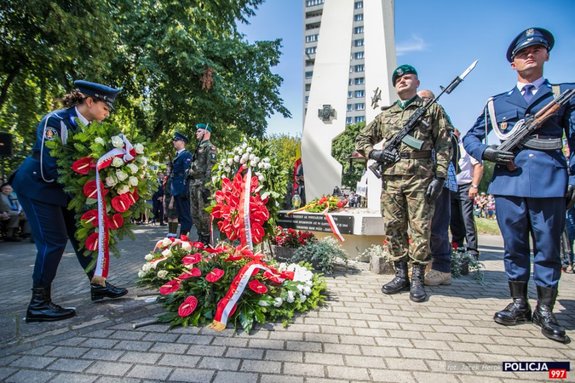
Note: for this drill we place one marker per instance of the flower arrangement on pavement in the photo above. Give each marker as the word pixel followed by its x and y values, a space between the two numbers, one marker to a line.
pixel 109 180
pixel 292 238
pixel 326 203
pixel 230 283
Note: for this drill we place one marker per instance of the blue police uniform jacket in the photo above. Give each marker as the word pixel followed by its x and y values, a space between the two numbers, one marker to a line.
pixel 180 165
pixel 540 174
pixel 37 179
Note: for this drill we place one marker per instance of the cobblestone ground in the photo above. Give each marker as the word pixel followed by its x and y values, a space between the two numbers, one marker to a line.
pixel 360 336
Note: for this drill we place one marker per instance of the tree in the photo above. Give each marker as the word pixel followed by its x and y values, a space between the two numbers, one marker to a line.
pixel 342 149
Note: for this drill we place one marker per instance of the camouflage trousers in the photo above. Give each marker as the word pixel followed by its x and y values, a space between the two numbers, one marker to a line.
pixel 404 207
pixel 198 203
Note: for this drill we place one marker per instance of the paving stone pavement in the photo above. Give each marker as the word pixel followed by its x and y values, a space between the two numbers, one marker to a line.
pixel 361 335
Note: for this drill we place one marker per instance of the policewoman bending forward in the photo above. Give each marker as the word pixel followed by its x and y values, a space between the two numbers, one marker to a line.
pixel 45 202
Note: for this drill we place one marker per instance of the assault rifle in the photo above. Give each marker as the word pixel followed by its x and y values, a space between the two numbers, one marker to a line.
pixel 403 136
pixel 529 124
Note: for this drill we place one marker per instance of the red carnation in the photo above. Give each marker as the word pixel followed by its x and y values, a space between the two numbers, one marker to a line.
pixel 257 287
pixel 188 306
pixel 214 275
pixel 170 287
pixel 91 216
pixel 92 242
pixel 84 165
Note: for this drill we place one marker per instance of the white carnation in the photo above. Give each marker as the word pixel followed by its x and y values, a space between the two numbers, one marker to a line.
pixel 167 253
pixel 249 149
pixel 291 297
pixel 278 302
pixel 117 142
pixel 149 257
pixel 302 298
pixel 139 148
pixel 111 181
pixel 306 290
pixel 166 242
pixel 230 161
pixel 162 274
pixel 263 303
pixel 146 267
pixel 117 162
pixel 141 274
pixel 133 181
pixel 252 156
pixel 133 168
pixel 244 158
pixel 121 175
pixel 261 177
pixel 186 246
pixel 123 189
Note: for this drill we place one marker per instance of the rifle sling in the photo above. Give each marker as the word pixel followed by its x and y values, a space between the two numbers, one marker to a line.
pixel 417 155
pixel 539 142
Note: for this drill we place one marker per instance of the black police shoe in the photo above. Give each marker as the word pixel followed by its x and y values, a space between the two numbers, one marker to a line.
pixel 41 308
pixel 100 292
pixel 515 313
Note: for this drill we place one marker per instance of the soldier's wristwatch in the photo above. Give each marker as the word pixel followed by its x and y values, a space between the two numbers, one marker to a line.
pixel 474 186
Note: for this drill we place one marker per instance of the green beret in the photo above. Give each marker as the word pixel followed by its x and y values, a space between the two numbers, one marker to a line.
pixel 402 70
pixel 204 126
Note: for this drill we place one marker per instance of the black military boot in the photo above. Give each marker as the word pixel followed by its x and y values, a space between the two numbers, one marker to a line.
pixel 205 239
pixel 543 316
pixel 400 282
pixel 100 292
pixel 41 308
pixel 417 290
pixel 518 311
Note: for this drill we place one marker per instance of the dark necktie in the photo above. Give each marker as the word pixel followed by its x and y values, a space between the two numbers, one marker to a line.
pixel 528 92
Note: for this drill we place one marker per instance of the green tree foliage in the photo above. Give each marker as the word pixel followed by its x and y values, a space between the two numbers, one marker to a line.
pixel 342 148
pixel 179 61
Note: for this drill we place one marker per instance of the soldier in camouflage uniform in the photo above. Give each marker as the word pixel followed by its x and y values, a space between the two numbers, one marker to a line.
pixel 200 177
pixel 411 185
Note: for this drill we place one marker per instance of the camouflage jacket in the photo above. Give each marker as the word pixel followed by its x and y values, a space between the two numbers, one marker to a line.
pixel 201 168
pixel 434 131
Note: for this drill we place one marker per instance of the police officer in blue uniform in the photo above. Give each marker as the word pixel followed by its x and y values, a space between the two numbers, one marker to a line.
pixel 45 202
pixel 179 183
pixel 530 200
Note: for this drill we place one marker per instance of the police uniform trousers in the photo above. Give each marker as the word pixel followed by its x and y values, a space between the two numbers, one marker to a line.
pixel 403 205
pixel 182 204
pixel 541 218
pixel 439 244
pixel 51 226
pixel 200 216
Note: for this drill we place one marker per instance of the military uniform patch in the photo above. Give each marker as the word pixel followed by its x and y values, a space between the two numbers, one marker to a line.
pixel 50 133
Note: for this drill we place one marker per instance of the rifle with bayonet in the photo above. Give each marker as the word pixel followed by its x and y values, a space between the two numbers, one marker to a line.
pixel 392 146
pixel 526 126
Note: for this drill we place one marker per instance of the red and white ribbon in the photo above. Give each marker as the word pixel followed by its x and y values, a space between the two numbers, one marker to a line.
pixel 227 303
pixel 333 225
pixel 103 261
pixel 244 212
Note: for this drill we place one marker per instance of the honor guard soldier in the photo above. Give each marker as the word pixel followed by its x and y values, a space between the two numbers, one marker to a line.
pixel 45 202
pixel 410 185
pixel 531 181
pixel 200 178
pixel 179 184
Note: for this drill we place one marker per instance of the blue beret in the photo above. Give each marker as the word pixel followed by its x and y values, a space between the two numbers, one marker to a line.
pixel 529 37
pixel 99 91
pixel 402 70
pixel 204 126
pixel 179 136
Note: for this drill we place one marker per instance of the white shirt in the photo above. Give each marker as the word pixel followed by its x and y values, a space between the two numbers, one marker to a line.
pixel 537 84
pixel 466 166
pixel 83 119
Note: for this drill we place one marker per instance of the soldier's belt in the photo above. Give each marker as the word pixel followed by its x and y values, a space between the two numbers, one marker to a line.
pixel 418 155
pixel 539 142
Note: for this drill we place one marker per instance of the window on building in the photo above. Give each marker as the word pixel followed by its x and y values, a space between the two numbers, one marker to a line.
pixel 360 106
pixel 311 38
pixel 358 42
pixel 311 3
pixel 307 87
pixel 349 94
pixel 309 74
pixel 358 55
pixel 359 119
pixel 358 81
pixel 358 5
pixel 310 50
pixel 350 82
pixel 358 68
pixel 348 120
pixel 349 107
pixel 358 17
pixel 359 93
pixel 358 30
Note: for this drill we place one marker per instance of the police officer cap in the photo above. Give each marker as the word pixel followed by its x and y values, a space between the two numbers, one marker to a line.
pixel 204 126
pixel 402 70
pixel 529 37
pixel 179 136
pixel 98 91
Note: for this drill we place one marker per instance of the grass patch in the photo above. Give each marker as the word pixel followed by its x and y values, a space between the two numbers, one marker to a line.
pixel 487 226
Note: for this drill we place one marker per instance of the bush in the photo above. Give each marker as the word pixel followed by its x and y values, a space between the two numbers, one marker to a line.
pixel 322 255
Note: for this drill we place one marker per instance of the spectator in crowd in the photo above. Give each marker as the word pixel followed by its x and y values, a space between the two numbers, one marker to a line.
pixel 158 201
pixel 9 213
